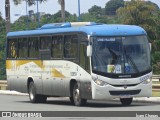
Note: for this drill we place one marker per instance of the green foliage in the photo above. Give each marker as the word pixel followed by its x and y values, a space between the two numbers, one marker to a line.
pixel 156 62
pixel 48 18
pixel 146 15
pixel 95 10
pixel 30 2
pixel 57 16
pixel 2 49
pixel 140 13
pixel 88 17
pixel 156 56
pixel 112 6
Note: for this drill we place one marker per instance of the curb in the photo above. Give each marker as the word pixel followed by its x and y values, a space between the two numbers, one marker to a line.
pixel 147 100
pixel 8 92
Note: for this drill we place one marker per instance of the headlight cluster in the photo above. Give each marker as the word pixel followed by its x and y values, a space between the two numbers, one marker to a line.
pixel 147 81
pixel 100 82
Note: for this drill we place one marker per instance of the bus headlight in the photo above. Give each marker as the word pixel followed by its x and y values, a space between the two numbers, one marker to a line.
pixel 147 81
pixel 100 82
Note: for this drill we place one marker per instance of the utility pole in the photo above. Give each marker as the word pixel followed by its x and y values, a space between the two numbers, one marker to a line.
pixel 38 15
pixel 79 18
pixel 7 15
pixel 26 16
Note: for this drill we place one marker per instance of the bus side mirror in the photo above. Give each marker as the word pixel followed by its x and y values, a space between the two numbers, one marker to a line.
pixel 89 50
pixel 150 46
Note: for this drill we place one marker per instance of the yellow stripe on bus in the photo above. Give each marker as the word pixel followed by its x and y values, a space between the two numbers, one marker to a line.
pixel 56 73
pixel 9 64
pixel 17 63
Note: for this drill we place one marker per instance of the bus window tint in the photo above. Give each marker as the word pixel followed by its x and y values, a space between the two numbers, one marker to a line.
pixel 12 48
pixel 57 47
pixel 33 47
pixel 23 47
pixel 45 42
pixel 71 46
pixel 84 60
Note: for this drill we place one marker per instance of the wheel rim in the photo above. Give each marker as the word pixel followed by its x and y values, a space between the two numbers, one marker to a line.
pixel 31 93
pixel 76 96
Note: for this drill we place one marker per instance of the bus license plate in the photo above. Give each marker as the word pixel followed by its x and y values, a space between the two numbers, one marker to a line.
pixel 125 96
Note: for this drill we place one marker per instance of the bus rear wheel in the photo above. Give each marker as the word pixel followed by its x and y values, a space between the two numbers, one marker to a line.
pixel 78 101
pixel 33 96
pixel 126 101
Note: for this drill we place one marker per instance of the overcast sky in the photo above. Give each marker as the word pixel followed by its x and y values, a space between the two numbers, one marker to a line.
pixel 52 7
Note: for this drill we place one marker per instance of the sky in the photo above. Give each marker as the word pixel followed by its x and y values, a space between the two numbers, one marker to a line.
pixel 52 6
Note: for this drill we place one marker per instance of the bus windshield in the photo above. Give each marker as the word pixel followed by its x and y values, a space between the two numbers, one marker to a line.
pixel 121 55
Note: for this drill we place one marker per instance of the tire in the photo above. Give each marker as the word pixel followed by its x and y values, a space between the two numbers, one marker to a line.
pixel 71 100
pixel 126 101
pixel 78 101
pixel 33 96
pixel 42 98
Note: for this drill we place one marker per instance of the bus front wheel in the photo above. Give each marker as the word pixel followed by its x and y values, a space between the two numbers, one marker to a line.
pixel 33 96
pixel 126 101
pixel 78 101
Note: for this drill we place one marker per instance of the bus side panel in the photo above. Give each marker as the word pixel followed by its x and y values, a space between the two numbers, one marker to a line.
pixel 67 87
pixel 15 78
pixel 85 84
pixel 46 78
pixel 61 71
pixel 10 75
pixel 85 88
pixel 18 72
pixel 33 70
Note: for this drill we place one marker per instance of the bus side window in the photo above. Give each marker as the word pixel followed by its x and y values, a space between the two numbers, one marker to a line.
pixel 33 47
pixel 45 42
pixel 12 48
pixel 56 49
pixel 23 47
pixel 71 46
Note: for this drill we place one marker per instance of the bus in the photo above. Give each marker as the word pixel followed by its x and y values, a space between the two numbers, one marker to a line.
pixel 81 61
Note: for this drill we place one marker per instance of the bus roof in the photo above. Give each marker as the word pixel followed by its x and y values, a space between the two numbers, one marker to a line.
pixel 90 28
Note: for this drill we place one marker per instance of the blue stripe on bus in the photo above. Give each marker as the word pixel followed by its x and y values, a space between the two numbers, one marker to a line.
pixel 93 30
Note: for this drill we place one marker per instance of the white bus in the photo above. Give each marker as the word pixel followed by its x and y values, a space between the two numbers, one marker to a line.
pixel 82 61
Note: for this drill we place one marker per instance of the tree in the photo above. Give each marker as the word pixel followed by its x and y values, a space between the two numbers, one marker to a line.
pixel 95 10
pixel 16 2
pixel 2 48
pixel 146 15
pixel 62 3
pixel 30 2
pixel 155 46
pixel 112 6
pixel 139 12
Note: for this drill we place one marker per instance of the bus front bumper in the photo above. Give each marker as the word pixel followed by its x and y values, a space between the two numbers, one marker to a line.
pixel 110 92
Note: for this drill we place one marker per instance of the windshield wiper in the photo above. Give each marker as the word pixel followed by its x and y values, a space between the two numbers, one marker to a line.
pixel 115 56
pixel 132 62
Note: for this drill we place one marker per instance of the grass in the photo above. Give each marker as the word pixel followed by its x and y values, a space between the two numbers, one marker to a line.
pixel 155 93
pixel 155 82
pixel 2 88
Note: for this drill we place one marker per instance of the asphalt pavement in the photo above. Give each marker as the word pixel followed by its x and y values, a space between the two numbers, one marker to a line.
pixel 138 99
